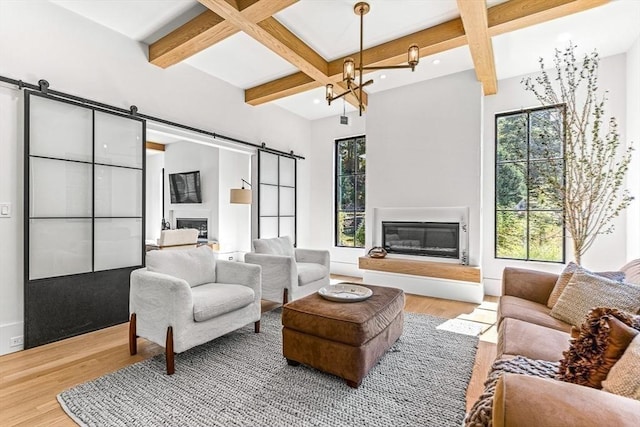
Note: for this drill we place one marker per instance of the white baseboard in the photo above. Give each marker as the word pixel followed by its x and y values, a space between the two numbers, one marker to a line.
pixel 428 286
pixel 345 269
pixel 8 331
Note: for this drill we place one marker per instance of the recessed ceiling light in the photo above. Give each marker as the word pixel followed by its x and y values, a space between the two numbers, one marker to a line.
pixel 564 37
pixel 436 61
pixel 383 76
pixel 316 101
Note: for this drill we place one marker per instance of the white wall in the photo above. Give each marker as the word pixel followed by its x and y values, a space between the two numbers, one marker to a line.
pixel 187 157
pixel 324 132
pixel 39 40
pixel 154 177
pixel 11 235
pixel 609 251
pixel 633 137
pixel 234 229
pixel 423 149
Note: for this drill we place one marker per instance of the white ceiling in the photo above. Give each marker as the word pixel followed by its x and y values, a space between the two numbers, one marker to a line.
pixel 331 28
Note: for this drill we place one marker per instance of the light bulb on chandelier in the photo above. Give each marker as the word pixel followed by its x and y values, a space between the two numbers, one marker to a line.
pixel 349 67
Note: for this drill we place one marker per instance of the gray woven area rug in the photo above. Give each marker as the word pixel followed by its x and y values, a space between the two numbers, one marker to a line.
pixel 242 379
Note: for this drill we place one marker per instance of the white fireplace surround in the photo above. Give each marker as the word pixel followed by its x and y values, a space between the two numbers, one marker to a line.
pixel 424 214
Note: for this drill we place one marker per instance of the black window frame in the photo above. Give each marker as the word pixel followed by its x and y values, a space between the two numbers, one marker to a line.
pixel 528 209
pixel 354 140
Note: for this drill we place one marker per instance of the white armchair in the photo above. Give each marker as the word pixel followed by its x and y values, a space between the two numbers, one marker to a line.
pixel 288 273
pixel 186 298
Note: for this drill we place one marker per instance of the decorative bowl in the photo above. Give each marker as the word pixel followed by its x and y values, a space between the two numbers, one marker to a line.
pixel 345 292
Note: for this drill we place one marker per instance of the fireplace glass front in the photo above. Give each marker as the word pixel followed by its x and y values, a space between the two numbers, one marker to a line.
pixel 199 224
pixel 435 239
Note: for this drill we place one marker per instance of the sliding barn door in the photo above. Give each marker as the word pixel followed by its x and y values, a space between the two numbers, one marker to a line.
pixel 84 216
pixel 276 195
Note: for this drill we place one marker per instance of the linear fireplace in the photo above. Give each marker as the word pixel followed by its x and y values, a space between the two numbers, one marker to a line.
pixel 435 239
pixel 200 224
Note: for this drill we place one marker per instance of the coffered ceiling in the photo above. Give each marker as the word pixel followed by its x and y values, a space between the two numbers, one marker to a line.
pixel 285 51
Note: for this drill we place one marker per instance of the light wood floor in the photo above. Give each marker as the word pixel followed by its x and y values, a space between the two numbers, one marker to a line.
pixel 30 380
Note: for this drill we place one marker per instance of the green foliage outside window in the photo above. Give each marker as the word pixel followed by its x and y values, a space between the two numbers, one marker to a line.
pixel 529 211
pixel 350 191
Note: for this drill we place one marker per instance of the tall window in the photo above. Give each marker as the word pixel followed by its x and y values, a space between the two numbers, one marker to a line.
pixel 350 179
pixel 529 169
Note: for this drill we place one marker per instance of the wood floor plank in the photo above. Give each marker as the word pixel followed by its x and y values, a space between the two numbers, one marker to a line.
pixel 31 379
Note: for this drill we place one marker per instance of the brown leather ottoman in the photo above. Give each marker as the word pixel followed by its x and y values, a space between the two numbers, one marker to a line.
pixel 344 339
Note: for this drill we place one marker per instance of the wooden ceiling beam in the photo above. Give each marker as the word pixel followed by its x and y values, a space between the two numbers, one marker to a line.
pixel 517 14
pixel 476 26
pixel 149 145
pixel 431 41
pixel 207 29
pixel 503 18
pixel 281 41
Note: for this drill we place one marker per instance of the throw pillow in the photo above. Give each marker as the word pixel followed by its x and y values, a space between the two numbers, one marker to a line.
pixel 561 283
pixel 624 377
pixel 481 413
pixel 567 274
pixel 604 337
pixel 632 271
pixel 276 246
pixel 585 291
pixel 197 266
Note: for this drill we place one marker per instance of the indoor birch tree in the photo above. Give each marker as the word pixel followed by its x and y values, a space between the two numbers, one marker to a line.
pixel 592 186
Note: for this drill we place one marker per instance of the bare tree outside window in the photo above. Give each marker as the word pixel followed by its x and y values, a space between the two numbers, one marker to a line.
pixel 592 189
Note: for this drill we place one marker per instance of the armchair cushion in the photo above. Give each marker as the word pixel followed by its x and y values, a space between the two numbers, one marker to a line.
pixel 215 299
pixel 195 266
pixel 276 246
pixel 309 272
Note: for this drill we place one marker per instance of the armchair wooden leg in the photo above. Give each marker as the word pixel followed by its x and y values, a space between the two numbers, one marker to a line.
pixel 285 296
pixel 133 338
pixel 169 352
pixel 256 327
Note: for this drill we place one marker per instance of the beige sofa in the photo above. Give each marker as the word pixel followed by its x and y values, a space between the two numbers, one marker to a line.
pixel 526 328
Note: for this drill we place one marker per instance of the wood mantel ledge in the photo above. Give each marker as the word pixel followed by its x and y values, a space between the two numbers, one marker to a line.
pixel 441 270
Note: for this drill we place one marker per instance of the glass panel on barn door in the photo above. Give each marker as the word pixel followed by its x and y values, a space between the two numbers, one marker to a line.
pixel 59 247
pixel 288 227
pixel 59 188
pixel 118 243
pixel 268 168
pixel 118 191
pixel 60 130
pixel 268 227
pixel 118 140
pixel 268 200
pixel 287 172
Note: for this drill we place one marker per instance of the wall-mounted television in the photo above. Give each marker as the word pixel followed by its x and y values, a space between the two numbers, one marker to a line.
pixel 185 187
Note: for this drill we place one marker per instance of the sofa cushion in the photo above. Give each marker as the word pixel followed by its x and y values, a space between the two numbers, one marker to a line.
pixel 276 246
pixel 624 376
pixel 529 311
pixel 195 266
pixel 586 290
pixel 215 299
pixel 567 274
pixel 517 337
pixel 310 272
pixel 603 339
